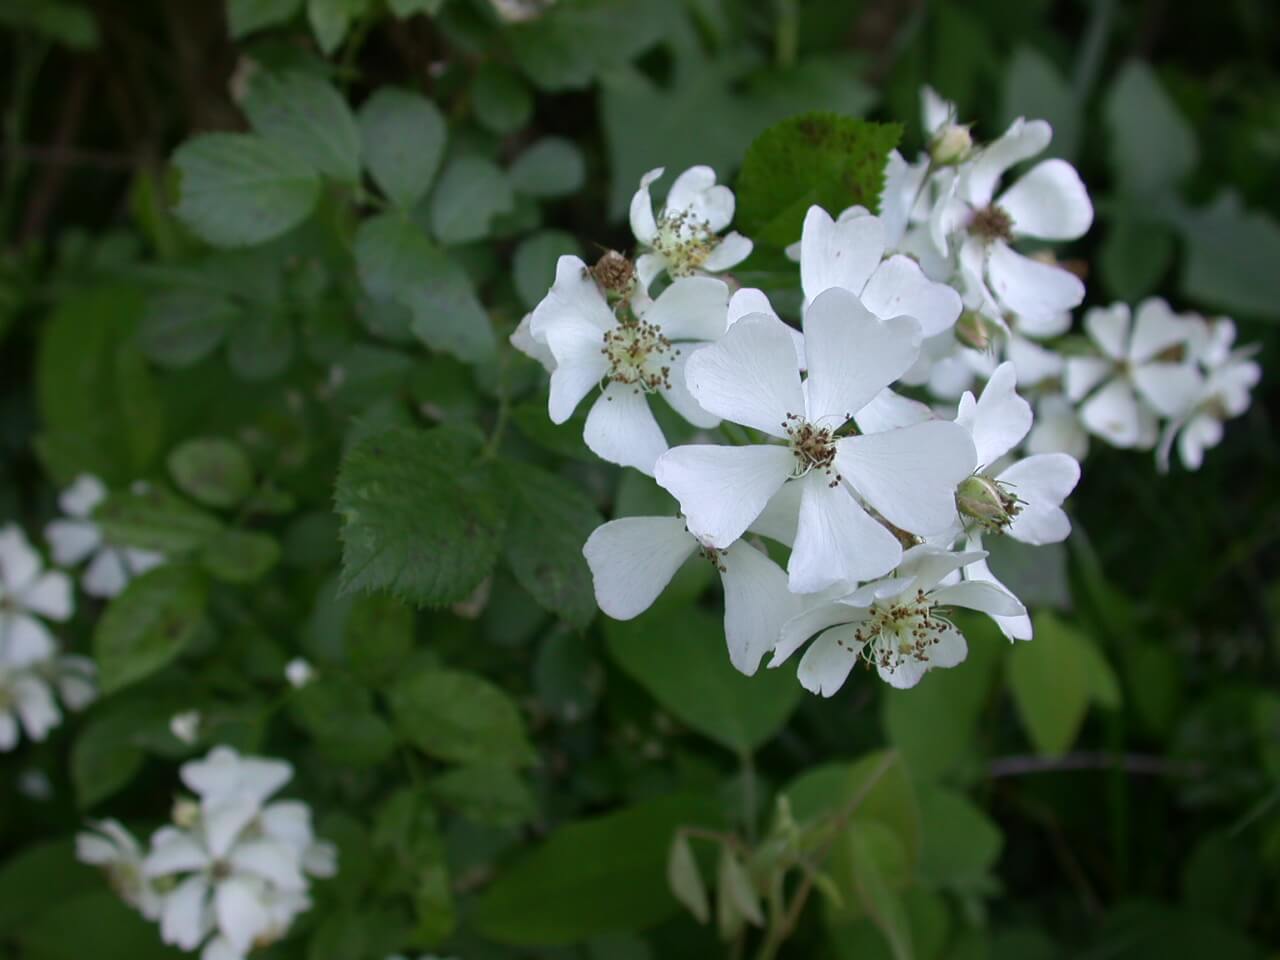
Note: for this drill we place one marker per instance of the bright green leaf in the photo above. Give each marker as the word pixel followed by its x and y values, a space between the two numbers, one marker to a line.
pixel 961 844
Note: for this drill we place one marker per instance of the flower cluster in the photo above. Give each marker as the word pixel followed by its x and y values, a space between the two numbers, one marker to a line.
pixel 77 537
pixel 31 664
pixel 232 871
pixel 832 502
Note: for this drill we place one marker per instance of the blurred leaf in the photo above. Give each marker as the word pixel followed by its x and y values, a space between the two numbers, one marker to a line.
pixel 961 844
pixel 240 189
pixel 1231 253
pixel 869 861
pixel 1152 146
pixel 1050 682
pixel 407 8
pixel 389 248
pixel 404 136
pixel 331 19
pixel 575 40
pixel 1137 930
pixel 240 556
pixel 246 16
pixel 460 717
pixel 66 22
pixel 549 522
pixel 261 345
pixel 306 116
pixel 678 654
pixel 340 715
pixel 447 315
pixel 181 327
pixel 148 625
pixel 1136 253
pixel 500 98
pixel 103 758
pixel 421 518
pixel 550 167
pixel 212 470
pixel 534 264
pixel 41 877
pixel 471 192
pixel 152 518
pixel 1033 88
pixel 486 793
pixel 568 888
pixel 817 158
pixel 378 637
pixel 79 927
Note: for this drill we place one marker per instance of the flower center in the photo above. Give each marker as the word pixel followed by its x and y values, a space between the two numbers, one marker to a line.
pixel 813 447
pixel 992 223
pixel 901 630
pixel 684 241
pixel 714 557
pixel 639 354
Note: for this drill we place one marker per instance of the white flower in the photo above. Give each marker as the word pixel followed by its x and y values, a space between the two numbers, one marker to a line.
pixel 684 238
pixel 1145 370
pixel 1057 428
pixel 26 704
pixel 298 672
pixel 113 848
pixel 28 592
pixel 898 624
pixel 185 726
pixel 522 339
pixel 641 353
pixel 634 558
pixel 751 377
pixel 76 537
pixel 1229 377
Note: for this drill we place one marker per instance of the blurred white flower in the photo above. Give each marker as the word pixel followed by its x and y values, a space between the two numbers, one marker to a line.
pixel 185 726
pixel 298 672
pixel 110 846
pixel 75 537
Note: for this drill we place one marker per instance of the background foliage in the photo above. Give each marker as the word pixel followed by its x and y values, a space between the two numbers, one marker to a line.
pixel 266 257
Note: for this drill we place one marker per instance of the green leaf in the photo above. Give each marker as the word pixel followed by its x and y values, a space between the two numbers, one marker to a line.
pixel 182 327
pixel 67 23
pixel 1033 88
pixel 340 715
pixel 38 878
pixel 331 19
pixel 261 345
pixel 390 249
pixel 1152 146
pixel 447 315
pixel 240 556
pixel 104 759
pixel 460 717
pixel 500 98
pixel 148 625
pixel 485 793
pixel 79 926
pixel 571 43
pixel 153 518
pixel 471 192
pixel 407 8
pixel 212 470
pixel 240 189
pixel 816 158
pixel 869 861
pixel 404 136
pixel 421 517
pixel 1136 253
pixel 602 875
pixel 961 844
pixel 378 637
pixel 1049 679
pixel 246 16
pixel 551 167
pixel 1231 255
pixel 307 116
pixel 534 263
pixel 550 521
pixel 679 656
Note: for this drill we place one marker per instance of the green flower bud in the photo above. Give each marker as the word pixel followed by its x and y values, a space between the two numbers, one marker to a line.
pixel 951 145
pixel 986 501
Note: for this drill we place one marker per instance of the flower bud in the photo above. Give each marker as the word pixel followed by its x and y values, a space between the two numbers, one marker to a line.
pixel 951 145
pixel 615 274
pixel 186 812
pixel 986 501
pixel 973 330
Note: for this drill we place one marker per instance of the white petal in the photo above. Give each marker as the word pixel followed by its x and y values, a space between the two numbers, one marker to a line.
pixel 522 339
pixel 749 376
pixel 747 301
pixel 35 705
pixel 573 297
pixel 826 664
pixel 48 595
pixel 1156 328
pixel 1085 373
pixel 648 266
pixel 224 820
pixel 1109 328
pixel 999 420
pixel 695 190
pixel 852 355
pixel 8 732
pixel 241 915
pixel 633 559
pixel 1057 429
pixel 1028 287
pixel 838 254
pixel 1023 139
pixel 949 648
pixel 79 499
pixel 756 604
pixel 580 365
pixel 1112 413
pixel 721 490
pixel 888 410
pixel 977 595
pixel 927 565
pixel 935 111
pixel 692 308
pixel 904 674
pixel 642 223
pixel 1200 434
pixel 837 542
pixel 24 640
pixel 1034 363
pixel 19 563
pixel 106 575
pixel 779 518
pixel 899 288
pixel 70 541
pixel 173 851
pixel 729 252
pixel 621 429
pixel 1171 388
pixel 1016 627
pixel 220 948
pixel 288 821
pixel 271 860
pixel 1042 482
pixel 320 859
pixel 679 397
pixel 184 921
pixel 1050 202
pixel 910 475
pixel 818 617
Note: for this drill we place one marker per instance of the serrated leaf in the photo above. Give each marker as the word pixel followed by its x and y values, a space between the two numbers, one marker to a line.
pixel 148 625
pixel 1049 679
pixel 679 656
pixel 154 519
pixel 458 716
pixel 550 520
pixel 816 158
pixel 240 556
pixel 551 167
pixel 404 136
pixel 1152 145
pixel 685 879
pixel 239 189
pixel 568 888
pixel 307 116
pixel 212 470
pixel 421 516
pixel 471 192
pixel 246 16
pixel 182 327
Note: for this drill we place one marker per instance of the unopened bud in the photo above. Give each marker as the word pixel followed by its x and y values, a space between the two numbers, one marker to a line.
pixel 973 330
pixel 186 812
pixel 986 501
pixel 615 274
pixel 951 145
